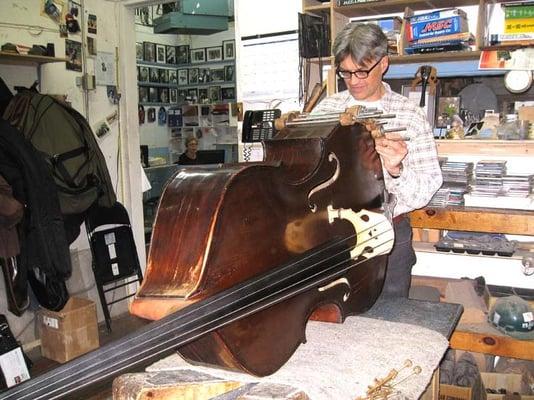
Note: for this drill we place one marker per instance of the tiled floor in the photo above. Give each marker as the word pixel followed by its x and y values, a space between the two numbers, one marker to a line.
pixel 121 326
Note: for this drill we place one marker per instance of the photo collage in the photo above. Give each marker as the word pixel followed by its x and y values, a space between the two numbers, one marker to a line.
pixel 181 75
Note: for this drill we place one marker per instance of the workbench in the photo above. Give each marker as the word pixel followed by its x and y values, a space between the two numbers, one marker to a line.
pixel 338 361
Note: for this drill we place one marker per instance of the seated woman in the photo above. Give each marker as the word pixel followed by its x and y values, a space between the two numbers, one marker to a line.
pixel 189 156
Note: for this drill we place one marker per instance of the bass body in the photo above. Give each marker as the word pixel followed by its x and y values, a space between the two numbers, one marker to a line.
pixel 218 227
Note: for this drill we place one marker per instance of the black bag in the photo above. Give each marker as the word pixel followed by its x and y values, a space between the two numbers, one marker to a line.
pixel 67 144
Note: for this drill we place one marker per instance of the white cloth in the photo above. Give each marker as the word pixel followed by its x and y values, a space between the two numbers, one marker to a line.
pixel 339 361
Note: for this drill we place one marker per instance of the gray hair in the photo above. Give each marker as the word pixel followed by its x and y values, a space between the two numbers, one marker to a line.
pixel 361 42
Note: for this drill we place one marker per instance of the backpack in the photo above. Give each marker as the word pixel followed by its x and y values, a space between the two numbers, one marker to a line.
pixel 66 142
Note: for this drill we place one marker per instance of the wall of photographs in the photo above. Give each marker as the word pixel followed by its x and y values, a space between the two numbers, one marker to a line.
pixel 171 75
pixel 188 91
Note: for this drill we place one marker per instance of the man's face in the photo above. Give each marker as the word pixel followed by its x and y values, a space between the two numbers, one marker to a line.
pixel 365 89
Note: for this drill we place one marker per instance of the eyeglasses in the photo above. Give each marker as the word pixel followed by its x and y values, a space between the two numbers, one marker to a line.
pixel 360 74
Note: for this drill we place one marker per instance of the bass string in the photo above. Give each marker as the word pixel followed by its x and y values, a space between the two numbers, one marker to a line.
pixel 159 330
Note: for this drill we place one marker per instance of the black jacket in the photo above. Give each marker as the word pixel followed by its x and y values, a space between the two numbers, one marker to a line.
pixel 44 247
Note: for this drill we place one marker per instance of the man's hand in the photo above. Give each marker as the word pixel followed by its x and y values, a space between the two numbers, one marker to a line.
pixel 392 149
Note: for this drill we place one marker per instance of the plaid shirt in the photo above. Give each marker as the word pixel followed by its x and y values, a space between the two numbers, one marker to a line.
pixel 421 174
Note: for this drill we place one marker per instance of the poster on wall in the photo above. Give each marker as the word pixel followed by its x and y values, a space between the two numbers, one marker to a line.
pixel 73 52
pixel 91 46
pixel 91 23
pixel 105 69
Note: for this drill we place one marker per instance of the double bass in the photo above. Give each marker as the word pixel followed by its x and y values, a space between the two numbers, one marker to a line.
pixel 242 255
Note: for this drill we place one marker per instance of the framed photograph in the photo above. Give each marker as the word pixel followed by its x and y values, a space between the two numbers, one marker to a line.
pixel 163 75
pixel 154 75
pixel 229 73
pixel 228 93
pixel 193 76
pixel 170 53
pixel 214 94
pixel 139 51
pixel 228 49
pixel 173 95
pixel 198 56
pixel 193 94
pixel 203 96
pixel 153 94
pixel 143 74
pixel 182 77
pixel 415 96
pixel 182 93
pixel 214 53
pixel 173 79
pixel 182 54
pixel 143 16
pixel 73 53
pixel 163 95
pixel 160 53
pixel 149 51
pixel 217 74
pixel 203 75
pixel 143 94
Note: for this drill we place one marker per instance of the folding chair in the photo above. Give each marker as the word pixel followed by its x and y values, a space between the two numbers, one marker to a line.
pixel 115 259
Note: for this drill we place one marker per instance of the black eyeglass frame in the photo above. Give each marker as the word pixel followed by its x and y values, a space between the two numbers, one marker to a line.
pixel 360 74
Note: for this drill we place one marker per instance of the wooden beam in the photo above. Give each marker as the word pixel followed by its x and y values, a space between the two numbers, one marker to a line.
pixel 491 220
pixel 489 343
pixel 497 148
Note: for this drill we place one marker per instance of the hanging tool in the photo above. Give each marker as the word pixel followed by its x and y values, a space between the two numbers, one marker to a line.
pixel 425 75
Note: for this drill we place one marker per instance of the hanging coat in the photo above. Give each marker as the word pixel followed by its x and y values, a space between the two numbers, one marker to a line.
pixel 10 214
pixel 44 258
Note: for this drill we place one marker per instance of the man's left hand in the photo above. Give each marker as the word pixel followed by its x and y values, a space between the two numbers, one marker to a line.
pixel 392 150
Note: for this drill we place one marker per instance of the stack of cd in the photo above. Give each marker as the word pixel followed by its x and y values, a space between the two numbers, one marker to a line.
pixel 517 185
pixel 457 177
pixel 440 198
pixel 489 178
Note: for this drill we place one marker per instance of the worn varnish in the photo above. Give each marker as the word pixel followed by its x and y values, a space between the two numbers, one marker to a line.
pixel 217 227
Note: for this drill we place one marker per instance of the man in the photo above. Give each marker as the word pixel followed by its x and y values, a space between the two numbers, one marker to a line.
pixel 411 169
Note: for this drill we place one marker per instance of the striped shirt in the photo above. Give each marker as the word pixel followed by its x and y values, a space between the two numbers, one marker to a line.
pixel 421 175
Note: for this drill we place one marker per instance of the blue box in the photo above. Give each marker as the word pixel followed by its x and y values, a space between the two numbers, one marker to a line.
pixel 437 27
pixel 438 14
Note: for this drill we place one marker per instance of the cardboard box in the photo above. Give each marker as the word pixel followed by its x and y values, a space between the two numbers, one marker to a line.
pixel 437 23
pixel 510 382
pixel 68 333
pixel 519 25
pixel 495 381
pixel 451 392
pixel 438 14
pixel 439 27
